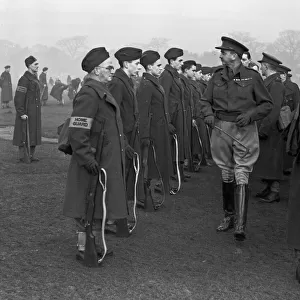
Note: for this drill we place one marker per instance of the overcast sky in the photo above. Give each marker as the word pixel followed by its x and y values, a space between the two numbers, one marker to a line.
pixel 195 25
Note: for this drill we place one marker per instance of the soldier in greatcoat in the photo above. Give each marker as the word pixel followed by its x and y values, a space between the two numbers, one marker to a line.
pixel 6 87
pixel 28 109
pixel 44 86
pixel 172 86
pixel 234 100
pixel 269 166
pixel 95 125
pixel 154 118
pixel 292 99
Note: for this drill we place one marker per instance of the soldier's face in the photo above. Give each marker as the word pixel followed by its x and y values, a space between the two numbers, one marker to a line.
pixel 283 77
pixel 156 69
pixel 226 57
pixel 245 60
pixel 177 63
pixel 198 75
pixel 34 67
pixel 105 71
pixel 191 72
pixel 263 69
pixel 7 70
pixel 133 67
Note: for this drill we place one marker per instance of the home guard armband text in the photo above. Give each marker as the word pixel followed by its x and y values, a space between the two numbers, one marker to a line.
pixel 81 122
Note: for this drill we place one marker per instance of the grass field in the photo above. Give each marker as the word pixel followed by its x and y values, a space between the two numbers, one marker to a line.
pixel 175 252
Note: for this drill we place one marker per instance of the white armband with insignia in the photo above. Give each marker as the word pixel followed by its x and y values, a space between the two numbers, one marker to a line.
pixel 81 122
pixel 21 89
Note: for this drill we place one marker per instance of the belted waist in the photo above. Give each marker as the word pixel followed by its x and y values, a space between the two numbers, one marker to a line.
pixel 228 117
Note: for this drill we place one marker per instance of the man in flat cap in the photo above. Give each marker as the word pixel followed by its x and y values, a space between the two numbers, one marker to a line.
pixel 172 86
pixel 154 119
pixel 122 89
pixel 292 99
pixel 28 109
pixel 234 100
pixel 97 141
pixel 6 87
pixel 269 166
pixel 44 86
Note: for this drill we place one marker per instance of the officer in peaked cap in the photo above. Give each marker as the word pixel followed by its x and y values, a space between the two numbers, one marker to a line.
pixel 234 100
pixel 122 89
pixel 270 163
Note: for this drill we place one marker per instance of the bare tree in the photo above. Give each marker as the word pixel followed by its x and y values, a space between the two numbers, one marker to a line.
pixel 288 46
pixel 73 45
pixel 255 47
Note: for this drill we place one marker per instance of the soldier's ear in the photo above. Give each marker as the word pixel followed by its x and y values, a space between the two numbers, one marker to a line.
pixel 125 64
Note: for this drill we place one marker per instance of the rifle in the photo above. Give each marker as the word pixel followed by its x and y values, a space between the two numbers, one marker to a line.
pixel 90 253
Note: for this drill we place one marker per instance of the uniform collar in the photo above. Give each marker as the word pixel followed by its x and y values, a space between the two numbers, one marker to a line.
pixel 271 78
pixel 124 77
pixel 172 71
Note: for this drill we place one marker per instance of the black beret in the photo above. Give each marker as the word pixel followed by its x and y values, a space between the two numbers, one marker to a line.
pixel 232 45
pixel 29 60
pixel 45 69
pixel 283 69
pixel 206 70
pixel 128 54
pixel 7 67
pixel 267 58
pixel 149 57
pixel 94 58
pixel 173 53
pixel 198 67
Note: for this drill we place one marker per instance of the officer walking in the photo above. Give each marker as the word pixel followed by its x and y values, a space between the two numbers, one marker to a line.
pixel 234 100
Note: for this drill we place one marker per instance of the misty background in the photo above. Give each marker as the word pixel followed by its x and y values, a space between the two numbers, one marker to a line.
pixel 60 32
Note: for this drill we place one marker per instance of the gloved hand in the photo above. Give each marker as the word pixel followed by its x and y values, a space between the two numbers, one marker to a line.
pixel 129 151
pixel 92 167
pixel 24 117
pixel 172 129
pixel 210 121
pixel 243 119
pixel 145 142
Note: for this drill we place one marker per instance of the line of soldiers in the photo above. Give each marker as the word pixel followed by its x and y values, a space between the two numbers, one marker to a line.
pixel 235 112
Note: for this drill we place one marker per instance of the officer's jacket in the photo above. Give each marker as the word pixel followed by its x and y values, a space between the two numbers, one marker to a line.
pixel 233 95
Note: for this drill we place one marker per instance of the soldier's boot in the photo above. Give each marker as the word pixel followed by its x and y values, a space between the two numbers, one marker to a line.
pixel 99 244
pixel 241 206
pixel 228 206
pixel 264 192
pixel 32 152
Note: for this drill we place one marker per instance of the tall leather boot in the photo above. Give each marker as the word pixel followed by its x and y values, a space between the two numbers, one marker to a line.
pixel 228 206
pixel 241 206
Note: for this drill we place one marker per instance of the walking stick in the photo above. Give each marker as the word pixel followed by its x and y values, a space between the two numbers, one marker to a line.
pixel 236 140
pixel 174 191
pixel 103 184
